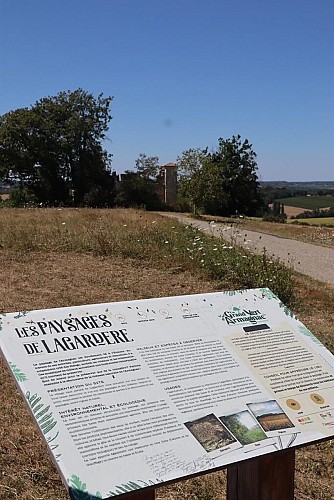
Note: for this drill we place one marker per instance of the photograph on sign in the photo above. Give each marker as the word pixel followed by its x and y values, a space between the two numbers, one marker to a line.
pixel 133 394
pixel 212 435
pixel 272 418
pixel 246 429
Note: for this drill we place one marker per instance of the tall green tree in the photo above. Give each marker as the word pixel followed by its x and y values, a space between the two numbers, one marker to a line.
pixel 189 170
pixel 232 174
pixel 143 187
pixel 17 144
pixel 223 182
pixel 55 147
pixel 147 166
pixel 136 190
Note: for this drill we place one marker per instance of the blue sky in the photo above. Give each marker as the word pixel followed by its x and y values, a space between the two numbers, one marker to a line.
pixel 184 73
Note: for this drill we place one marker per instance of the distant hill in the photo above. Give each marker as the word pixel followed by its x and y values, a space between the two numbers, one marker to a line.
pixel 300 185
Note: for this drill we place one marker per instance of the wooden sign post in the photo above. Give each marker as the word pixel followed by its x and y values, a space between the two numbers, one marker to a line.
pixel 270 477
pixel 143 495
pixel 133 395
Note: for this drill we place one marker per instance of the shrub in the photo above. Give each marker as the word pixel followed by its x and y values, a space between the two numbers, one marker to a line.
pixel 20 197
pixel 281 218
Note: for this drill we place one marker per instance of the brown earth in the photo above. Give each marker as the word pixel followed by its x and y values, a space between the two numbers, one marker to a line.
pixel 293 211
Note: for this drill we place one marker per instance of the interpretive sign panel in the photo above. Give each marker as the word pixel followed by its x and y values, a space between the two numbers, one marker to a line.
pixel 133 394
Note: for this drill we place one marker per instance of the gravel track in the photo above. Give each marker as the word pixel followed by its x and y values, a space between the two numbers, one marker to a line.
pixel 313 260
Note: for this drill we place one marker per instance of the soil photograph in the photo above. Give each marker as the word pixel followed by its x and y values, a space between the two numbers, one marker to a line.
pixel 210 433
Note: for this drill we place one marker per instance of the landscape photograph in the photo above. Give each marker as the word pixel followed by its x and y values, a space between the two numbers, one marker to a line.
pixel 270 416
pixel 244 427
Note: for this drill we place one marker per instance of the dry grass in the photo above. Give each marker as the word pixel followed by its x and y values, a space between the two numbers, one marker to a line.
pixel 38 279
pixel 145 237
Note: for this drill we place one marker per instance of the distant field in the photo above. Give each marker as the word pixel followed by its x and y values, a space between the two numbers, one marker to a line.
pixel 308 202
pixel 317 221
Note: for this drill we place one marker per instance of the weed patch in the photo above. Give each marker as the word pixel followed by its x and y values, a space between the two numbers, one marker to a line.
pixel 144 237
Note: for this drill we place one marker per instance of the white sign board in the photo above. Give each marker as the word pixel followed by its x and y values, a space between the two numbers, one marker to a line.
pixel 134 394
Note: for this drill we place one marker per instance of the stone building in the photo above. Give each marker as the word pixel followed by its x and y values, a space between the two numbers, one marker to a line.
pixel 165 185
pixel 168 172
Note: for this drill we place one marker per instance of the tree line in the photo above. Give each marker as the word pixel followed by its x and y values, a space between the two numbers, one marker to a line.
pixel 53 154
pixel 53 150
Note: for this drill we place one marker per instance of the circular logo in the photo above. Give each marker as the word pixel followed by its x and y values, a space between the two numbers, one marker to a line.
pixel 316 398
pixel 293 404
pixel 142 314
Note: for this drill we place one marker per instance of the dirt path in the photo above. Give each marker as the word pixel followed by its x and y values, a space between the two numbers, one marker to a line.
pixel 305 258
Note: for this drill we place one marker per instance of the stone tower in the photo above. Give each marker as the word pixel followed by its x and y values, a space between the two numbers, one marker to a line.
pixel 170 183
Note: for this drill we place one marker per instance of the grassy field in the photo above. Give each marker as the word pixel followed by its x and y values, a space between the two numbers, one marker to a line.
pixel 141 236
pixel 316 221
pixel 55 258
pixel 308 202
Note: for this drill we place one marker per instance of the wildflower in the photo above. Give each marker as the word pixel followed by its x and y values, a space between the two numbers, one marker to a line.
pixel 63 223
pixel 166 241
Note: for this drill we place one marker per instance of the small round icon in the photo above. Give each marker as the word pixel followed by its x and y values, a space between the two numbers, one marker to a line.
pixel 142 314
pixel 293 404
pixel 316 398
